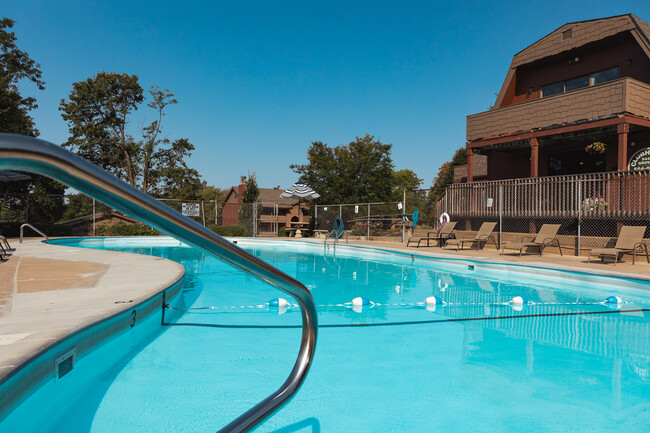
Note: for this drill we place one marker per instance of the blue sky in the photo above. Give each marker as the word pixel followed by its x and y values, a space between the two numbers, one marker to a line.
pixel 258 81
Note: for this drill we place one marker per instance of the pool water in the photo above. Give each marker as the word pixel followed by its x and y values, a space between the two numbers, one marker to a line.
pixel 567 362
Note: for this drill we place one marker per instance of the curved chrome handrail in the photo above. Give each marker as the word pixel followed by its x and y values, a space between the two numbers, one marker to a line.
pixel 33 155
pixel 20 239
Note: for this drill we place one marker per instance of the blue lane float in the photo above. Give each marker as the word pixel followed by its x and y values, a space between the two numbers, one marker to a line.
pixel 278 303
pixel 433 300
pixel 518 300
pixel 613 300
pixel 360 301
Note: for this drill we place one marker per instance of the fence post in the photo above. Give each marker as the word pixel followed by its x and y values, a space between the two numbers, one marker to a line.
pixel 94 232
pixel 500 216
pixel 403 213
pixel 203 212
pixel 255 219
pixel 446 201
pixel 341 211
pixel 368 224
pixel 579 202
pixel 315 217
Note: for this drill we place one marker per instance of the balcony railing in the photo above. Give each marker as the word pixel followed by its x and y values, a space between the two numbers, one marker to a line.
pixel 624 95
pixel 598 195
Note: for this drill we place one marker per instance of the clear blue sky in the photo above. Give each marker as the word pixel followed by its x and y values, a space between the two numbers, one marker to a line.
pixel 258 81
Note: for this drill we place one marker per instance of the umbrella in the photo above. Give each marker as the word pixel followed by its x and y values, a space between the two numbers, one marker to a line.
pixel 9 176
pixel 300 190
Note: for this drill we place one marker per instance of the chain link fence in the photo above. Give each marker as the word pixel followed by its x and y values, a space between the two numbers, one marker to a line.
pixel 365 220
pixel 590 208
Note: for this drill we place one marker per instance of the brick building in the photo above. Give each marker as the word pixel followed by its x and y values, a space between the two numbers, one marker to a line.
pixel 273 211
pixel 586 82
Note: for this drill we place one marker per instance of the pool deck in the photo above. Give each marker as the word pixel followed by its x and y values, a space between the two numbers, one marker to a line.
pixel 48 292
pixel 568 261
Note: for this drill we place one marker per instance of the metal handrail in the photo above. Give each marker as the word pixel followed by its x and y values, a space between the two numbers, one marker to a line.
pixel 37 156
pixel 20 240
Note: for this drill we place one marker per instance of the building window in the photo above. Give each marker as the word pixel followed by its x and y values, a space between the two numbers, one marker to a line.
pixel 580 82
pixel 567 34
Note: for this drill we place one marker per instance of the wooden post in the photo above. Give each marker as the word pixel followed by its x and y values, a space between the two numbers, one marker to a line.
pixel 534 157
pixel 623 129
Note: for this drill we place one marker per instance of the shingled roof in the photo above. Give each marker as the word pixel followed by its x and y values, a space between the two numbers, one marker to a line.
pixel 580 33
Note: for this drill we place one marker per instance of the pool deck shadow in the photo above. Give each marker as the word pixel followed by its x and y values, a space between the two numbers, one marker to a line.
pixel 48 292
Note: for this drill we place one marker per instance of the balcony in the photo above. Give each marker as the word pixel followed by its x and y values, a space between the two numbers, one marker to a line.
pixel 624 95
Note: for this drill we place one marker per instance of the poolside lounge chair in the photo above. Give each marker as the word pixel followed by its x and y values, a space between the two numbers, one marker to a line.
pixel 630 241
pixel 445 233
pixel 5 248
pixel 482 237
pixel 547 235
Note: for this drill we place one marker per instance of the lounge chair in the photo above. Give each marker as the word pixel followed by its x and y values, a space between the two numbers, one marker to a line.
pixel 482 237
pixel 547 235
pixel 445 233
pixel 5 248
pixel 630 241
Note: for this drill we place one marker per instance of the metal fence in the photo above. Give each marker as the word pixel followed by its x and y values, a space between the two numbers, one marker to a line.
pixel 362 219
pixel 591 208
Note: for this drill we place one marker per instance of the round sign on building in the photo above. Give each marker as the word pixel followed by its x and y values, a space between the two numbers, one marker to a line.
pixel 640 161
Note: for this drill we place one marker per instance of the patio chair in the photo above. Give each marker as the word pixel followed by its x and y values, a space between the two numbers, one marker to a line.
pixel 445 233
pixel 630 241
pixel 547 235
pixel 5 248
pixel 482 237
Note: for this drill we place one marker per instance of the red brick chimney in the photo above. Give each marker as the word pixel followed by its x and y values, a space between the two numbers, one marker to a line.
pixel 240 188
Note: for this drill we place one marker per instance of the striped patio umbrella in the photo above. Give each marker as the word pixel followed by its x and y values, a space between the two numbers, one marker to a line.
pixel 300 190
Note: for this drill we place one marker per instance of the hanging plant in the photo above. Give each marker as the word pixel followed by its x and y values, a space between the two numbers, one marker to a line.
pixel 596 148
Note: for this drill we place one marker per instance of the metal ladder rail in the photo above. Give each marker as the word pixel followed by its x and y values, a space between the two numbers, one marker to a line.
pixel 38 156
pixel 20 240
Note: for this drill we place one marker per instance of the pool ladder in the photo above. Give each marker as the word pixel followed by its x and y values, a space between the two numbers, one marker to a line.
pixel 30 154
pixel 22 227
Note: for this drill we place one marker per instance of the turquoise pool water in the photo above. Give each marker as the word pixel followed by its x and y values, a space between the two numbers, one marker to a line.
pixel 568 362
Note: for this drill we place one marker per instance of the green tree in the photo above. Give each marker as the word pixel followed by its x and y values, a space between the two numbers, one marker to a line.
pixel 446 174
pixel 41 196
pixel 15 66
pixel 361 171
pixel 404 179
pixel 250 196
pixel 98 112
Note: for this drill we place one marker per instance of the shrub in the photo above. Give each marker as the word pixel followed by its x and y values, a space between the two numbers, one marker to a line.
pixel 127 230
pixel 282 232
pixel 228 230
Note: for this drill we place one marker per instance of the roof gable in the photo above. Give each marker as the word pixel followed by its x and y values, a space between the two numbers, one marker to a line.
pixel 581 33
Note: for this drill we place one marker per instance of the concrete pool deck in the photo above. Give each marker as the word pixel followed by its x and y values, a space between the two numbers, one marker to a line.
pixel 48 292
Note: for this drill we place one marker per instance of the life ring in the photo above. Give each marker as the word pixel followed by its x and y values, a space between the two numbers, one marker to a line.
pixel 444 218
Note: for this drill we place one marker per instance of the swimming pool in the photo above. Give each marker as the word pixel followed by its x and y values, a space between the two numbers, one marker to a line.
pixel 564 362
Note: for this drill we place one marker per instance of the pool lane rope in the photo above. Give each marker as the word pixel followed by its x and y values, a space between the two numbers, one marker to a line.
pixel 361 304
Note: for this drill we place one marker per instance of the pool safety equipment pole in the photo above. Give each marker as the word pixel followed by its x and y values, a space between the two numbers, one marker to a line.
pixel 29 154
pixel 579 203
pixel 500 215
pixel 403 213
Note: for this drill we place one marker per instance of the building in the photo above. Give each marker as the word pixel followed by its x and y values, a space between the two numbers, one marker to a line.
pixel 272 213
pixel 587 82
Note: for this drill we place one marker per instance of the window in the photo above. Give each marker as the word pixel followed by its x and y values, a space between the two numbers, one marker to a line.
pixel 604 76
pixel 577 83
pixel 580 82
pixel 567 34
pixel 553 89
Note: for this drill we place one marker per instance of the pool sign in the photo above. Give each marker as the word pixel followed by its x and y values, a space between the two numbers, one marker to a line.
pixel 640 160
pixel 191 209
